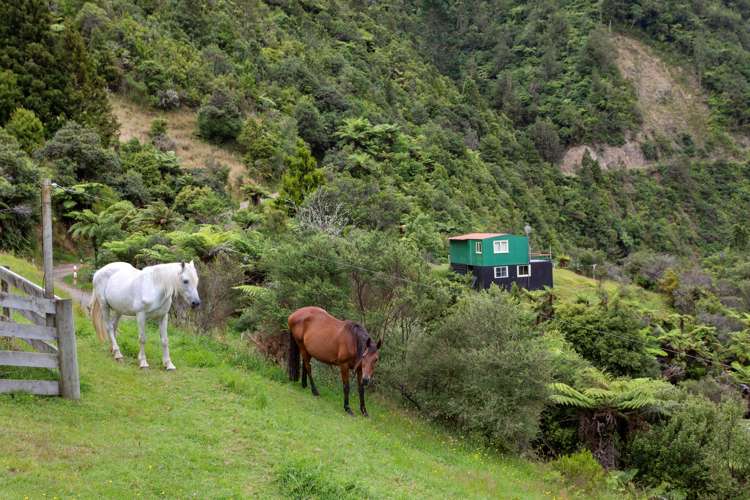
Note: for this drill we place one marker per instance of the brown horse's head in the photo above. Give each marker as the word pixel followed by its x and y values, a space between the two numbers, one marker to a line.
pixel 367 352
pixel 370 359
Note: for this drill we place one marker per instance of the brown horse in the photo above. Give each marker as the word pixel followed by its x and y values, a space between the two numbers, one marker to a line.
pixel 346 344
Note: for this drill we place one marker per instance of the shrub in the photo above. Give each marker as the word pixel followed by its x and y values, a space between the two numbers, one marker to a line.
pixel 582 471
pixel 703 450
pixel 200 203
pixel 608 335
pixel 158 127
pixel 483 370
pixel 219 119
pixel 27 129
pixel 302 177
pixel 19 188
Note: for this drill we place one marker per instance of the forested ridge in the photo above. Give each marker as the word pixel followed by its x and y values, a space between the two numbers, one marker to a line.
pixel 370 131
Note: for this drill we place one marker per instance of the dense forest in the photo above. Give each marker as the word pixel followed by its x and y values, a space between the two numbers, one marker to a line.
pixel 371 131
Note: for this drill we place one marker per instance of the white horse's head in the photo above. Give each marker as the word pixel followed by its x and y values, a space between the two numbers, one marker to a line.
pixel 188 284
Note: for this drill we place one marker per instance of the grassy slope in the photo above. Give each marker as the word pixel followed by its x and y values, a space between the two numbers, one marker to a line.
pixel 225 425
pixel 570 286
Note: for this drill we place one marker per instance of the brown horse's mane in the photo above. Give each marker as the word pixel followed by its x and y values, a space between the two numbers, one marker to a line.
pixel 360 337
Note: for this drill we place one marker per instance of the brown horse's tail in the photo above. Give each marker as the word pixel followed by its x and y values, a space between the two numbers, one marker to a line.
pixel 294 361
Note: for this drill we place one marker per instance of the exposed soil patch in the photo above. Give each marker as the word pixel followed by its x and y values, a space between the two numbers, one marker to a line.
pixel 670 101
pixel 192 151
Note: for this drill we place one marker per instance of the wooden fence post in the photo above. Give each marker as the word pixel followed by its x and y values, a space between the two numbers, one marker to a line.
pixel 5 289
pixel 49 283
pixel 70 386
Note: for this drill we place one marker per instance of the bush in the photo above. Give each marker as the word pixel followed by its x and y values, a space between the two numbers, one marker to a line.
pixel 200 203
pixel 582 471
pixel 27 129
pixel 608 335
pixel 703 450
pixel 219 119
pixel 483 370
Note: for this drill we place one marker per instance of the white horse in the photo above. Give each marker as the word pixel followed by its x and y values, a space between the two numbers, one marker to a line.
pixel 122 290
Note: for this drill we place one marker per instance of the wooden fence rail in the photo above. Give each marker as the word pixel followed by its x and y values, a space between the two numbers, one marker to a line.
pixel 51 322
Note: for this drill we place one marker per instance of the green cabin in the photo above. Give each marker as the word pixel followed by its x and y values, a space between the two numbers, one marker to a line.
pixel 500 258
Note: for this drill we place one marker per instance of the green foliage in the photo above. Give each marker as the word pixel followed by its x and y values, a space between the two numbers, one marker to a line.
pixel 609 409
pixel 701 450
pixel 98 228
pixel 611 336
pixel 149 174
pixel 301 178
pixel 582 471
pixel 10 94
pixel 76 153
pixel 19 195
pixel 200 203
pixel 710 35
pixel 483 370
pixel 158 127
pixel 47 69
pixel 26 128
pixel 219 119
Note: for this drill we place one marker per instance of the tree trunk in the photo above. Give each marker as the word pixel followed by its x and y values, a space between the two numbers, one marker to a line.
pixel 598 430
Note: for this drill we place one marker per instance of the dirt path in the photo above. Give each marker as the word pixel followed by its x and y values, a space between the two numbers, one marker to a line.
pixel 78 295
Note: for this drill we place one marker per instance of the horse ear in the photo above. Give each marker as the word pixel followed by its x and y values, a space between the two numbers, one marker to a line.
pixel 191 264
pixel 183 265
pixel 367 344
pixel 380 342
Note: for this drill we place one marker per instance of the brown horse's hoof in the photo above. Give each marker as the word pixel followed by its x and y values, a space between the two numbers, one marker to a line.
pixel 364 413
pixel 349 411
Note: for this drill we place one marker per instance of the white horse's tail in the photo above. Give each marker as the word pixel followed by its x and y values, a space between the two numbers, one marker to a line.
pixel 100 280
pixel 97 318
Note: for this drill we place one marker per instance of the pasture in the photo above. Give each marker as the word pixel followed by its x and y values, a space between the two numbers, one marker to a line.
pixel 227 424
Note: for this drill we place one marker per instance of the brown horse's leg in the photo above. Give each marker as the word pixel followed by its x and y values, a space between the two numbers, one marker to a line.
pixel 345 380
pixel 361 388
pixel 308 370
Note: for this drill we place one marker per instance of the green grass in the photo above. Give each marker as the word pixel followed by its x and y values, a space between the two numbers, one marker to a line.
pixel 228 424
pixel 570 286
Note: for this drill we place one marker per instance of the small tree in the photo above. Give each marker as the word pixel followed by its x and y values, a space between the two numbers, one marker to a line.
pixel 27 129
pixel 608 406
pixel 483 370
pixel 301 178
pixel 101 227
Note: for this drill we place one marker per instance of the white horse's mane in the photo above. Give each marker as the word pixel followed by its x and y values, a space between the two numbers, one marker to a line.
pixel 170 274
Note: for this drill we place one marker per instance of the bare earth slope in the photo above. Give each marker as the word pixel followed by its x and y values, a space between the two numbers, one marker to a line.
pixel 135 122
pixel 669 98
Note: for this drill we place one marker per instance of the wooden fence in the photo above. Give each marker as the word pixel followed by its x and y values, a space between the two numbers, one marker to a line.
pixel 51 334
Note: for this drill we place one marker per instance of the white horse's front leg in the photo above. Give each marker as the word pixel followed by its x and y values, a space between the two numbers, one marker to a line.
pixel 165 343
pixel 141 318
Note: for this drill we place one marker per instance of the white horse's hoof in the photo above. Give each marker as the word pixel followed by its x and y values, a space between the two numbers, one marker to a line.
pixel 169 366
pixel 144 365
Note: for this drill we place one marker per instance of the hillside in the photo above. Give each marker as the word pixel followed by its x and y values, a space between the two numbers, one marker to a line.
pixel 226 424
pixel 135 122
pixel 361 136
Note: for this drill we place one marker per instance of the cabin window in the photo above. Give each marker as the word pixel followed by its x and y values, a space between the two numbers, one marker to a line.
pixel 500 246
pixel 523 271
pixel 501 272
pixel 478 247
